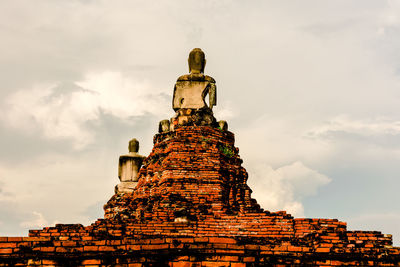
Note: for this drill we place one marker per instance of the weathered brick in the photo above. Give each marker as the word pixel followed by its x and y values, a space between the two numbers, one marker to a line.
pixel 322 250
pixel 5 250
pixel 8 245
pixel 181 264
pixel 249 259
pixel 91 262
pixel 106 248
pixel 222 240
pixel 14 239
pixel 90 248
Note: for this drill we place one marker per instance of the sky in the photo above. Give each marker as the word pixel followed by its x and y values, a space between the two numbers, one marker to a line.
pixel 311 90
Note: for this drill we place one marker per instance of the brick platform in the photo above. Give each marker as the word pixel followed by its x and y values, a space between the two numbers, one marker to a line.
pixel 192 207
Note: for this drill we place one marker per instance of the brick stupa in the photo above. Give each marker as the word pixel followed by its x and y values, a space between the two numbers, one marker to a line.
pixel 189 205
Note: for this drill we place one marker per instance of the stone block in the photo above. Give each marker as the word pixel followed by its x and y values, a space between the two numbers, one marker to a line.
pixel 164 126
pixel 223 125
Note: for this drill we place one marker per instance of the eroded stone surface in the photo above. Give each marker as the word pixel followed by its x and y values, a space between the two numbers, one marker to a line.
pixel 164 126
pixel 223 125
pixel 125 187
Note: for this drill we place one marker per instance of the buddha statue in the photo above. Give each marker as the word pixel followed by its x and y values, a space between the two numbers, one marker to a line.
pixel 190 92
pixel 191 89
pixel 128 168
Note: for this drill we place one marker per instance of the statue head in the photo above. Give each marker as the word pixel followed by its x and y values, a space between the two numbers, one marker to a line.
pixel 133 145
pixel 197 61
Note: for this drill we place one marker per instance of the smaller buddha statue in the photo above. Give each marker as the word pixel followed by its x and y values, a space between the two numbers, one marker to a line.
pixel 128 168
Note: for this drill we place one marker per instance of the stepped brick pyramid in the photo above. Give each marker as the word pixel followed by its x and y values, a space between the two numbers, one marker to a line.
pixel 188 204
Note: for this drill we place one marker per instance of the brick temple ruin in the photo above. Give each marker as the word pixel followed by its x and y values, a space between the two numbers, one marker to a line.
pixel 188 204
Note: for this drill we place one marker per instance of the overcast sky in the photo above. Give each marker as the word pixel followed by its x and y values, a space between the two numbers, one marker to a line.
pixel 311 90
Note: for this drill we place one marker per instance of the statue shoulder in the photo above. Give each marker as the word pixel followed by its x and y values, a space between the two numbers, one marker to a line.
pixel 209 79
pixel 196 77
pixel 185 77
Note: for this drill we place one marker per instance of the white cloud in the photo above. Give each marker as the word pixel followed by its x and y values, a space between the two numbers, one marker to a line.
pixel 63 112
pixel 378 126
pixel 37 222
pixel 224 111
pixel 284 188
pixel 63 189
pixel 279 141
pixel 122 96
pixel 390 15
pixel 5 193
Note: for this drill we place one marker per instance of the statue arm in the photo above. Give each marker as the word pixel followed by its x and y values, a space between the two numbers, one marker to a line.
pixel 212 93
pixel 175 106
pixel 119 169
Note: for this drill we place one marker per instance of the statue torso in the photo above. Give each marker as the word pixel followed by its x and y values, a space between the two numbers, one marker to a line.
pixel 190 91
